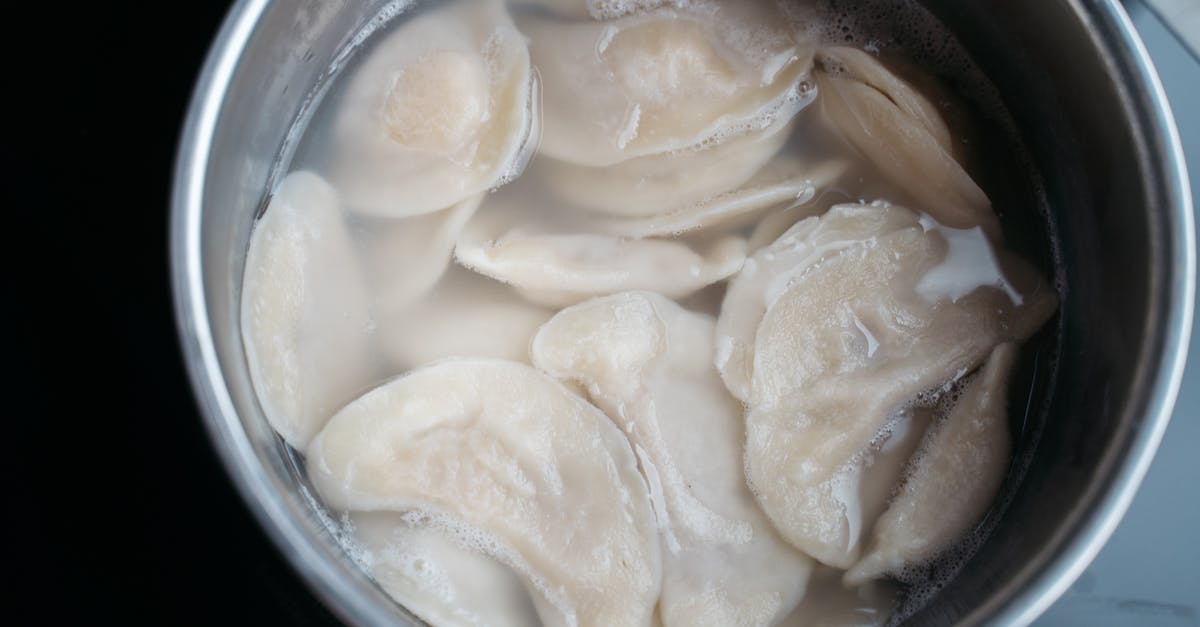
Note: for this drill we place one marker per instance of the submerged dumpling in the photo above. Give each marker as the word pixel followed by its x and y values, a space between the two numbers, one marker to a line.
pixel 442 108
pixel 304 312
pixel 785 181
pixel 902 133
pixel 554 259
pixel 511 459
pixel 853 337
pixel 408 256
pixel 667 79
pixel 953 480
pixel 646 361
pixel 656 184
pixel 437 578
pixel 467 315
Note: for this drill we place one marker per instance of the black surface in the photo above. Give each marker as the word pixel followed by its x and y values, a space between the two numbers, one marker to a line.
pixel 117 511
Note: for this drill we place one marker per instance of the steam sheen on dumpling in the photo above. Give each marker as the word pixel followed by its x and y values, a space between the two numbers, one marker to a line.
pixel 849 341
pixel 663 80
pixel 442 108
pixel 953 481
pixel 646 362
pixel 513 462
pixel 304 309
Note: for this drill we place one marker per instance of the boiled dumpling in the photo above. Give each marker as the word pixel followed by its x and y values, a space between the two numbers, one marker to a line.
pixel 441 109
pixel 553 259
pixel 902 134
pixel 409 255
pixel 437 578
pixel 595 9
pixel 467 315
pixel 304 312
pixel 785 181
pixel 775 223
pixel 665 80
pixel 852 338
pixel 953 480
pixel 646 361
pixel 839 511
pixel 771 270
pixel 511 460
pixel 656 184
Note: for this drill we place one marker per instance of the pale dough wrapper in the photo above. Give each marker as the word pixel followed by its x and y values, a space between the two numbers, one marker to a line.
pixel 770 270
pixel 953 480
pixel 305 320
pixel 786 181
pixel 435 577
pixel 664 80
pixel 442 108
pixel 847 343
pixel 408 256
pixel 646 362
pixel 647 187
pixel 553 259
pixel 467 315
pixel 515 462
pixel 899 131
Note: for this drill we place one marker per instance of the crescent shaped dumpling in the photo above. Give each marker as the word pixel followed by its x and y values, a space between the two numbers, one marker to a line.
pixel 554 259
pixel 900 131
pixel 786 181
pixel 441 109
pixel 665 80
pixel 435 577
pixel 953 480
pixel 408 256
pixel 304 312
pixel 646 362
pixel 501 453
pixel 854 337
pixel 467 315
pixel 646 187
pixel 769 272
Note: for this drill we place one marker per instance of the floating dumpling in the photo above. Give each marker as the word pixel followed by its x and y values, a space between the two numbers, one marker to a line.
pixel 954 478
pixel 856 335
pixel 665 80
pixel 510 459
pixel 769 272
pixel 441 109
pixel 787 181
pixel 555 258
pixel 647 362
pixel 656 184
pixel 901 132
pixel 304 312
pixel 467 315
pixel 436 577
pixel 409 255
pixel 595 9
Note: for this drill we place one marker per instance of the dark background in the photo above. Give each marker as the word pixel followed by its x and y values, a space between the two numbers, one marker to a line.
pixel 116 509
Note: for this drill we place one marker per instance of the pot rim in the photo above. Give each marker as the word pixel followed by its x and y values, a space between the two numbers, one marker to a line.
pixel 1034 590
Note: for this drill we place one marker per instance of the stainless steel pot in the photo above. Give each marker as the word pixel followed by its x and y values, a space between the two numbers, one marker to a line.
pixel 1086 102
